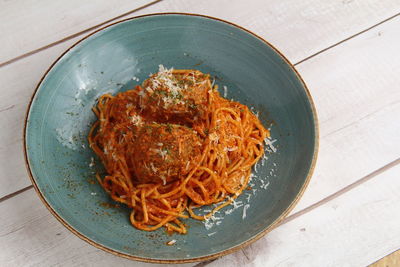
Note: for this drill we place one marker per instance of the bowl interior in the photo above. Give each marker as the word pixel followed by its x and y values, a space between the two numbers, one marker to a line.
pixel 111 61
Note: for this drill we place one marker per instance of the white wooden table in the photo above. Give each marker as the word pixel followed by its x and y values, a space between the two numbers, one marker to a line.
pixel 348 52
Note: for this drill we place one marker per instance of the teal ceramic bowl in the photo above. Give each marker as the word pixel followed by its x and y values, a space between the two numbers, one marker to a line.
pixel 112 60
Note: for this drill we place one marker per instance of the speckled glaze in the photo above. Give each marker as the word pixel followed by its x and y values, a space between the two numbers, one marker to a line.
pixel 110 60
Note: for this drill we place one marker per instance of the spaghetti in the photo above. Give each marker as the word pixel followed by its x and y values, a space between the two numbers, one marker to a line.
pixel 173 145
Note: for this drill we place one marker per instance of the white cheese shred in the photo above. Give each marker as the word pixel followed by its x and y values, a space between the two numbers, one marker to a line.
pixel 270 145
pixel 225 91
pixel 91 164
pixel 245 210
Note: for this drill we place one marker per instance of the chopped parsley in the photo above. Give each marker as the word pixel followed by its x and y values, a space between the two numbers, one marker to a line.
pixel 179 96
pixel 169 128
pixel 167 150
pixel 192 106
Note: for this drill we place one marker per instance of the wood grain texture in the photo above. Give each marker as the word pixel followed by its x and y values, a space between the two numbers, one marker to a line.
pixel 391 260
pixel 355 89
pixel 20 78
pixel 349 157
pixel 354 86
pixel 311 25
pixel 359 79
pixel 27 25
pixel 297 28
pixel 19 81
pixel 354 229
pixel 31 236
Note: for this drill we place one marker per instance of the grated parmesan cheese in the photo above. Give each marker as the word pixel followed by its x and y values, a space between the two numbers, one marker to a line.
pixel 163 153
pixel 227 212
pixel 269 145
pixel 213 220
pixel 244 211
pixel 163 179
pixel 91 164
pixel 242 179
pixel 137 120
pixel 236 204
pixel 154 169
pixel 248 197
pixel 208 224
pixel 230 149
pixel 225 91
pixel 214 137
pixel 265 186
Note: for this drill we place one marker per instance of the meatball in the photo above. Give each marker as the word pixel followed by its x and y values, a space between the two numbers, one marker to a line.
pixel 175 96
pixel 165 152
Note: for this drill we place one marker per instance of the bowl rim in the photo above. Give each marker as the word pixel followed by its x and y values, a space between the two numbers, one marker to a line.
pixel 272 226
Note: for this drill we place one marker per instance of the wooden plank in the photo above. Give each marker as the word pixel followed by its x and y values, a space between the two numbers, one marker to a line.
pixel 19 80
pixel 17 87
pixel 26 25
pixel 340 133
pixel 330 132
pixel 298 29
pixel 391 260
pixel 354 85
pixel 355 229
pixel 350 154
pixel 30 235
pixel 343 143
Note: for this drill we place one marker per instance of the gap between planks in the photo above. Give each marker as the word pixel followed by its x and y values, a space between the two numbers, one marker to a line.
pixel 341 191
pixel 344 40
pixel 365 178
pixel 287 219
pixel 293 216
pixel 155 2
pixel 76 34
pixel 325 200
pixel 15 193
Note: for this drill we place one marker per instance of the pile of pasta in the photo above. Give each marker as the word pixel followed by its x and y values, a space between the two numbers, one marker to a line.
pixel 172 145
